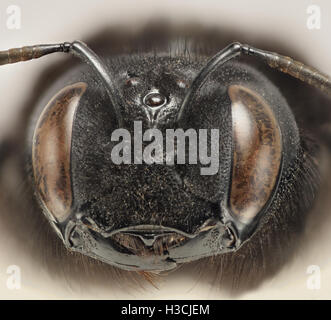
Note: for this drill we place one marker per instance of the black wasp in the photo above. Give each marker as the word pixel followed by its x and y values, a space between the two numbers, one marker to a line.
pixel 244 221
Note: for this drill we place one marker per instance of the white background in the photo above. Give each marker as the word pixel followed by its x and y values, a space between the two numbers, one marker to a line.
pixel 63 20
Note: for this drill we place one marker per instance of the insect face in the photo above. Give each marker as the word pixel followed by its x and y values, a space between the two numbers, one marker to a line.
pixel 140 216
pixel 232 176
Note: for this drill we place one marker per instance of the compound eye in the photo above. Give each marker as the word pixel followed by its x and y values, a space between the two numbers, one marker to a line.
pixel 51 151
pixel 257 152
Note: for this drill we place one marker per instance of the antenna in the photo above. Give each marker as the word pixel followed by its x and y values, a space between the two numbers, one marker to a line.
pixel 76 48
pixel 274 60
